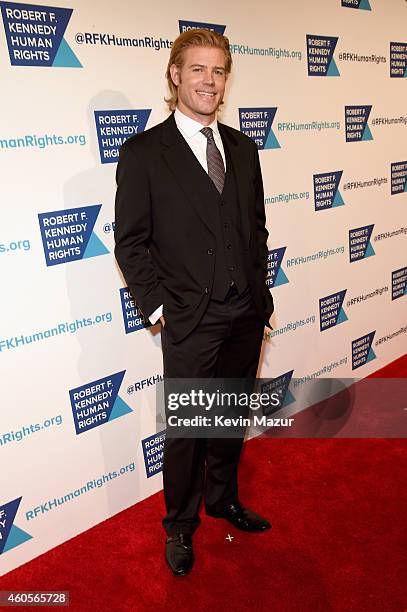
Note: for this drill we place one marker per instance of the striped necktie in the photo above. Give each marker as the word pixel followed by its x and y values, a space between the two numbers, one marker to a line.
pixel 216 169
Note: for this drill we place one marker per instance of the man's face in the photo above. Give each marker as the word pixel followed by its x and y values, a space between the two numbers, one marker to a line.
pixel 201 82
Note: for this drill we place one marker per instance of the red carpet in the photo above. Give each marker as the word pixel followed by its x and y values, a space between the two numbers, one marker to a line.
pixel 338 541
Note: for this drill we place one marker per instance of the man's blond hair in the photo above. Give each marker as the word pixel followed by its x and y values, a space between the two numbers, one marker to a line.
pixel 194 38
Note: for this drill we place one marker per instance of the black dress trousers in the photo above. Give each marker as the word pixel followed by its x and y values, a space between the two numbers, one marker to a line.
pixel 225 344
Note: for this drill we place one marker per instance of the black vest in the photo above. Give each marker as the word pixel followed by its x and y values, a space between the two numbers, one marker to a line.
pixel 225 218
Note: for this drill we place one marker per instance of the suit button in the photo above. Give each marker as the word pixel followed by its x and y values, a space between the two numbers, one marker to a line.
pixel 231 268
pixel 210 252
pixel 229 246
pixel 225 225
pixel 206 290
pixel 222 202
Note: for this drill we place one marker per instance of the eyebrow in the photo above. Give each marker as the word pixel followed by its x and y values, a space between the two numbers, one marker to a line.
pixel 203 66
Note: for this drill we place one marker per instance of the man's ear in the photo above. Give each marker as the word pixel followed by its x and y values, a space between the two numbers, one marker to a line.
pixel 174 72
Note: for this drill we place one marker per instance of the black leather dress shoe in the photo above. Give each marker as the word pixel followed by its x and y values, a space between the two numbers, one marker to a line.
pixel 242 518
pixel 179 553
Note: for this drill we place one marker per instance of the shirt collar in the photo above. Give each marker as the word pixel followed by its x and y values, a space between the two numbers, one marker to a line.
pixel 189 127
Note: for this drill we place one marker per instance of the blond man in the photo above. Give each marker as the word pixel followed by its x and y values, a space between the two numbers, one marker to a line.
pixel 191 242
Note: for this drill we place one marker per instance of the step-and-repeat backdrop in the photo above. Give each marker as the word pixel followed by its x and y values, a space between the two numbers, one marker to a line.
pixel 321 88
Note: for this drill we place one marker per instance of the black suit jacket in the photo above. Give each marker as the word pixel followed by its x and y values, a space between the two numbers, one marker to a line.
pixel 164 241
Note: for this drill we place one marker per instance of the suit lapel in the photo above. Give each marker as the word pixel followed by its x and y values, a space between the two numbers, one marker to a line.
pixel 240 164
pixel 186 169
pixel 193 179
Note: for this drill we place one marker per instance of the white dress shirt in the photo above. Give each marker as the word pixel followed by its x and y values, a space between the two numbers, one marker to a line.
pixel 191 131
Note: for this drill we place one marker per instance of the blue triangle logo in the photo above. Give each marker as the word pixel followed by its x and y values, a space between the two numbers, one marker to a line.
pixel 367 134
pixel 369 250
pixel 405 186
pixel 289 398
pixel 94 247
pixel 371 355
pixel 338 200
pixel 272 142
pixel 333 69
pixel 16 537
pixel 120 408
pixel 341 317
pixel 65 57
pixel 365 5
pixel 281 278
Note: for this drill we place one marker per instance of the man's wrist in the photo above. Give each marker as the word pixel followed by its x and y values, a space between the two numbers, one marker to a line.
pixel 157 314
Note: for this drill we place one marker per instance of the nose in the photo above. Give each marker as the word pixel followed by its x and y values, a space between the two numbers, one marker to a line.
pixel 209 78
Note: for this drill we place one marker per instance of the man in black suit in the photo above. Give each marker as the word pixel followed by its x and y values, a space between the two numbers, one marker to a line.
pixel 191 242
